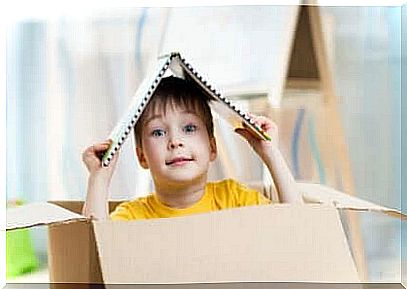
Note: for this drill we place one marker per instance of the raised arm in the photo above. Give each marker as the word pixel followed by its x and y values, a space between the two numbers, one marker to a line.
pixel 270 153
pixel 96 204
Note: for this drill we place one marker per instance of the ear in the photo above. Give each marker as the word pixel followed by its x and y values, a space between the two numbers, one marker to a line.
pixel 213 148
pixel 141 158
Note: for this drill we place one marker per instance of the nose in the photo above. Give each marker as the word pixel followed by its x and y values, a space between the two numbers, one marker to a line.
pixel 175 142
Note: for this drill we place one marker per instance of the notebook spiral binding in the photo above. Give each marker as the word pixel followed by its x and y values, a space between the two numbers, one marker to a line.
pixel 107 159
pixel 192 73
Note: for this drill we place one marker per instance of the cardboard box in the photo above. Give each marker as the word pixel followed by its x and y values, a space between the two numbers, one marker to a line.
pixel 276 243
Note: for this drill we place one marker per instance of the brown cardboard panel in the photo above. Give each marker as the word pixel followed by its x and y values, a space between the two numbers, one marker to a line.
pixel 278 243
pixel 72 252
pixel 72 255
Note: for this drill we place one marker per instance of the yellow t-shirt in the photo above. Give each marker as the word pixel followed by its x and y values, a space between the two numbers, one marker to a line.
pixel 220 195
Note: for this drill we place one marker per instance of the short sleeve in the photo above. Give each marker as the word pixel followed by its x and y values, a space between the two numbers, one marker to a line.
pixel 122 212
pixel 249 197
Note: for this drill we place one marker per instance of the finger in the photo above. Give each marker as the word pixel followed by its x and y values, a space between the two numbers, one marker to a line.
pixel 95 152
pixel 90 158
pixel 246 134
pixel 265 123
pixel 88 153
pixel 101 146
pixel 261 120
pixel 96 147
pixel 259 125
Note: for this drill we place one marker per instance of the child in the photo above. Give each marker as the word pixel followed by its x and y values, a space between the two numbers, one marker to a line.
pixel 175 140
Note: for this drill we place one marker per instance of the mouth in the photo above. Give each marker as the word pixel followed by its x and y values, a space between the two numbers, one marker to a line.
pixel 178 161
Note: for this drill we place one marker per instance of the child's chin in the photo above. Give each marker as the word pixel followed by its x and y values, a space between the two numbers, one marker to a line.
pixel 184 177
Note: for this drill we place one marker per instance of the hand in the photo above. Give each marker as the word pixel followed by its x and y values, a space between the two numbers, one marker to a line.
pixel 92 159
pixel 261 147
pixel 96 203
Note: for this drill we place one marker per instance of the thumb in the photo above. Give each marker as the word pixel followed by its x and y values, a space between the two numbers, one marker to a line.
pixel 245 134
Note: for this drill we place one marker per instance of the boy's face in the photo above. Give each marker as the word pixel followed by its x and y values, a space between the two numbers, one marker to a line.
pixel 176 146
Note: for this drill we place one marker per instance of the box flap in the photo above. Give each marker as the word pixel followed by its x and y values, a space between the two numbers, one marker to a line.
pixel 278 243
pixel 37 214
pixel 317 193
pixel 76 206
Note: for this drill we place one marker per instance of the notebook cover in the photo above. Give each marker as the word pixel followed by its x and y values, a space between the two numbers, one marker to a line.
pixel 179 67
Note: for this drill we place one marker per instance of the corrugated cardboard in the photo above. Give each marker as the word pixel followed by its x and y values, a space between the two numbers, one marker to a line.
pixel 317 193
pixel 74 244
pixel 278 243
pixel 266 243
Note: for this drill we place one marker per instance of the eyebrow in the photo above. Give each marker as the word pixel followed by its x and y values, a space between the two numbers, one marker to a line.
pixel 155 116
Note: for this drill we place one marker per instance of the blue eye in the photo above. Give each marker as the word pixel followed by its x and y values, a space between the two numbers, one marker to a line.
pixel 190 128
pixel 158 132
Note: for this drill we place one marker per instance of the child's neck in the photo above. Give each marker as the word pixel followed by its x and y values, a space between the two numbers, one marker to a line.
pixel 181 196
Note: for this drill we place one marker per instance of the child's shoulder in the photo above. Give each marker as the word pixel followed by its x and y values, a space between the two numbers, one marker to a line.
pixel 228 185
pixel 232 193
pixel 136 203
pixel 228 188
pixel 132 209
pixel 140 201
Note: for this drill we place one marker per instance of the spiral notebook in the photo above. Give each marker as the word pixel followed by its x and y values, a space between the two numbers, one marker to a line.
pixel 176 65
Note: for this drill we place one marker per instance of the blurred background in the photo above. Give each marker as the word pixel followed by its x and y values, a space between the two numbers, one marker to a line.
pixel 329 76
